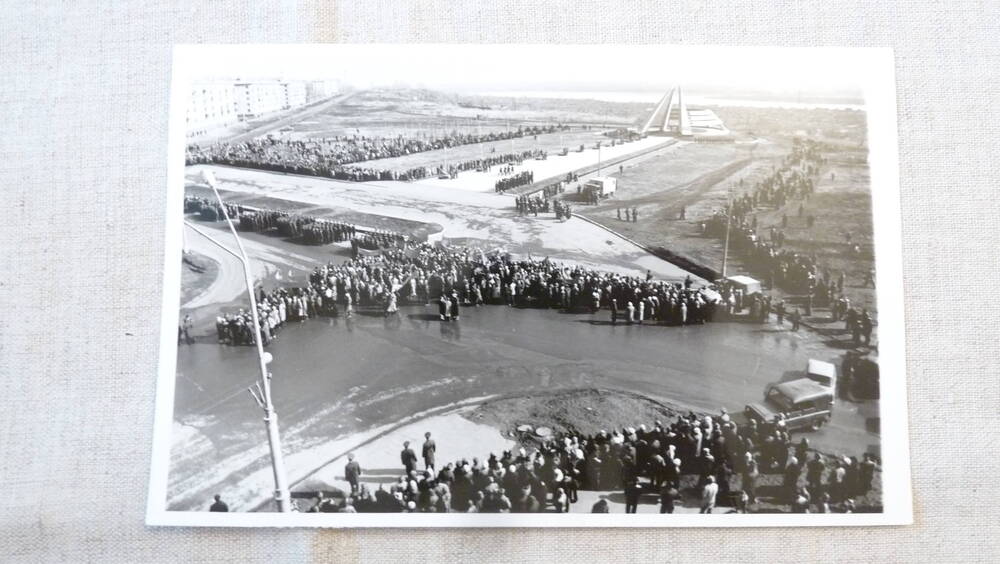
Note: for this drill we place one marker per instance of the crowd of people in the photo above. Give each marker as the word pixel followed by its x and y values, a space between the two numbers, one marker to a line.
pixel 708 460
pixel 797 272
pixel 531 204
pixel 337 157
pixel 349 149
pixel 421 273
pixel 513 181
pixel 303 228
pixel 794 180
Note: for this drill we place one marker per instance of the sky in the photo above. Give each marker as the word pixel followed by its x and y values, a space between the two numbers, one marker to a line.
pixel 735 71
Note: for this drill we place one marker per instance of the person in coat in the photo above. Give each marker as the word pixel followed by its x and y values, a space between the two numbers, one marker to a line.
pixel 408 458
pixel 352 473
pixel 429 449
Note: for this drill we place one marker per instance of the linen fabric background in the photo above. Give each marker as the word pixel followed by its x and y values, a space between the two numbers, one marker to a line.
pixel 83 175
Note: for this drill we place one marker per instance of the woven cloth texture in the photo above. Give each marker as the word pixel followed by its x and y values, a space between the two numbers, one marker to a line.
pixel 83 171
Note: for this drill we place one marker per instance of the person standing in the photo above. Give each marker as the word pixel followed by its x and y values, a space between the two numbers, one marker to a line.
pixel 219 506
pixel 429 449
pixel 667 496
pixel 631 312
pixel 352 473
pixel 866 475
pixel 635 215
pixel 632 492
pixel 408 458
pixel 454 305
pixel 614 311
pixel 708 494
pixel 444 308
pixel 189 325
pixel 391 307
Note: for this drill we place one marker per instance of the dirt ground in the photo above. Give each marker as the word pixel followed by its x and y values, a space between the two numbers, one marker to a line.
pixel 197 274
pixel 697 178
pixel 585 411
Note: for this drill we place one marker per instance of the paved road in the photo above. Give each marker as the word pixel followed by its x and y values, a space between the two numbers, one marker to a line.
pixel 334 377
pixel 487 218
pixel 289 119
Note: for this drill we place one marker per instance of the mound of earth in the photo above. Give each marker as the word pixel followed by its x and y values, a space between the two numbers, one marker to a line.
pixel 585 411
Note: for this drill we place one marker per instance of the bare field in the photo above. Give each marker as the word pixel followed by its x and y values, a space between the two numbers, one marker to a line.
pixel 697 178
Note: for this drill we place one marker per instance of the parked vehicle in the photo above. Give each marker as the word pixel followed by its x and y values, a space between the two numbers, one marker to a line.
pixel 800 404
pixel 604 186
pixel 822 372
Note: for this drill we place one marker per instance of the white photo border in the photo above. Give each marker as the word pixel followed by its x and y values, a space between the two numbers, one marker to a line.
pixel 876 71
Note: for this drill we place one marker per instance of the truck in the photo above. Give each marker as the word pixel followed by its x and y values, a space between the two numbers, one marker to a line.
pixel 603 186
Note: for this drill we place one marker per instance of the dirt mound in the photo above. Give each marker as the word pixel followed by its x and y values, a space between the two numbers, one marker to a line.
pixel 586 411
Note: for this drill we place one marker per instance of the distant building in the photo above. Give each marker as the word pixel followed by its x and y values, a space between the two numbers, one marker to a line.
pixel 673 116
pixel 218 104
pixel 319 89
pixel 254 99
pixel 211 105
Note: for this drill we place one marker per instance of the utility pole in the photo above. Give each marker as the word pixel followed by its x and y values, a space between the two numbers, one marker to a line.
pixel 261 390
pixel 729 221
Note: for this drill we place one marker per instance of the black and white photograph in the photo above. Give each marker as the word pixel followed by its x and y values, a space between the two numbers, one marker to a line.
pixel 527 285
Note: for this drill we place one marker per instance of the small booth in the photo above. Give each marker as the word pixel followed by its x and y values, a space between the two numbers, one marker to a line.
pixel 745 284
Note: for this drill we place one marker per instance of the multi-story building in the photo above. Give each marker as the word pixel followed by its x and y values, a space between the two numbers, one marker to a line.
pixel 294 94
pixel 256 98
pixel 319 89
pixel 218 104
pixel 211 105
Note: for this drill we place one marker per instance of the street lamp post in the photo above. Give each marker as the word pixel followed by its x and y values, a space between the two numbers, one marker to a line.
pixel 262 395
pixel 729 221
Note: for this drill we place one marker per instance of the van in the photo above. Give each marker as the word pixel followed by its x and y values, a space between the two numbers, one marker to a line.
pixel 801 404
pixel 603 186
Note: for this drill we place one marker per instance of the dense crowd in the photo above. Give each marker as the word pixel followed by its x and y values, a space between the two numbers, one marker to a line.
pixel 349 149
pixel 709 459
pixel 307 229
pixel 333 157
pixel 420 273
